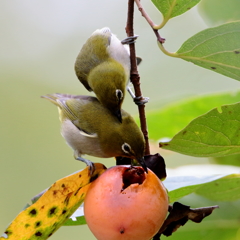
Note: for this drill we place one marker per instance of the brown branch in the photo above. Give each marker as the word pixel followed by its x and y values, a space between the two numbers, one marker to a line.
pixel 134 76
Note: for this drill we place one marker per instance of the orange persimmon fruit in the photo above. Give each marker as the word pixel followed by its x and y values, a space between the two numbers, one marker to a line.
pixel 126 203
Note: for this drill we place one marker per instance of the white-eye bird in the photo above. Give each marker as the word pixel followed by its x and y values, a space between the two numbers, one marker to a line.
pixel 103 66
pixel 90 128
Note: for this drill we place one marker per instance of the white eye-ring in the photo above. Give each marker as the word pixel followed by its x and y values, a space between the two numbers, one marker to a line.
pixel 119 94
pixel 126 148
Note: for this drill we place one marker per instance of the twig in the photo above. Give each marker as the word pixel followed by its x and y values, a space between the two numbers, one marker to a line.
pixel 149 20
pixel 144 14
pixel 134 76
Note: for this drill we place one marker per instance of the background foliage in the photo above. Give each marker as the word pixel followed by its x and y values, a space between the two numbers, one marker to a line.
pixel 40 41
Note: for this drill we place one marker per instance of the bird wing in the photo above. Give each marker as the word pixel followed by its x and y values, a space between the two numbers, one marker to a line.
pixel 71 107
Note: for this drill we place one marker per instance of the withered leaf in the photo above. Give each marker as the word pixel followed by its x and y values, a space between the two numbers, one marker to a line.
pixel 179 214
pixel 157 164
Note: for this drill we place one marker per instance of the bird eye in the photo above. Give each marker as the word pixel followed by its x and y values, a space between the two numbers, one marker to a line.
pixel 126 148
pixel 119 94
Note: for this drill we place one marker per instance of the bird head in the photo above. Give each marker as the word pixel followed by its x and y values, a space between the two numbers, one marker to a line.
pixel 108 81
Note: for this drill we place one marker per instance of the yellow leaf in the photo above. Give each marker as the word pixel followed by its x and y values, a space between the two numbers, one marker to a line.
pixel 40 220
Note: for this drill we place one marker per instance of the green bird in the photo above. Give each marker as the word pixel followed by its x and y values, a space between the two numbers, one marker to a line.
pixel 103 66
pixel 90 128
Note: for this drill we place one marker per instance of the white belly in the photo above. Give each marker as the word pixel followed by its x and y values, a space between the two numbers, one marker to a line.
pixel 82 143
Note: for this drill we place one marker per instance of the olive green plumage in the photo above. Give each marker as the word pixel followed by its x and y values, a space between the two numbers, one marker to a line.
pixel 103 66
pixel 89 128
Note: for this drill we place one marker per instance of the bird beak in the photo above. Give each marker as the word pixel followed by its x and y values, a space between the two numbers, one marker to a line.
pixel 143 164
pixel 118 114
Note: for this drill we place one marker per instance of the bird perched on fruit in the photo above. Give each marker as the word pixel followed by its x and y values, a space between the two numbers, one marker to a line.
pixel 89 128
pixel 103 66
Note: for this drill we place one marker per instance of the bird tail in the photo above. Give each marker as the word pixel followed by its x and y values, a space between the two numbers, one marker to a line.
pixel 53 98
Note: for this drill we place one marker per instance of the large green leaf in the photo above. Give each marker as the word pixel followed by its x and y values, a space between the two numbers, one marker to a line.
pixel 168 121
pixel 173 8
pixel 214 187
pixel 215 12
pixel 217 49
pixel 224 189
pixel 228 160
pixel 214 134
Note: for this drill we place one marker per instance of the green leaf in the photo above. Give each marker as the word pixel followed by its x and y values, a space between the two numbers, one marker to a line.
pixel 181 186
pixel 77 218
pixel 79 221
pixel 169 120
pixel 173 8
pixel 224 189
pixel 213 134
pixel 217 49
pixel 214 187
pixel 228 160
pixel 224 11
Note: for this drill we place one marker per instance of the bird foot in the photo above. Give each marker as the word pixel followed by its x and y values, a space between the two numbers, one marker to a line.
pixel 141 100
pixel 130 40
pixel 90 164
pixel 138 100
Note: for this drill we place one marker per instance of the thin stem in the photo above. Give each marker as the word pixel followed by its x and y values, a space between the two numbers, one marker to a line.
pixel 144 14
pixel 165 51
pixel 149 20
pixel 134 76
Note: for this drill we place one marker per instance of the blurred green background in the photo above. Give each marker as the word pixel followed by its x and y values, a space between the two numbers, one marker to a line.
pixel 39 44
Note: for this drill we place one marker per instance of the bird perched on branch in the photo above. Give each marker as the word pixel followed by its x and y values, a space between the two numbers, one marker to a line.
pixel 103 66
pixel 89 128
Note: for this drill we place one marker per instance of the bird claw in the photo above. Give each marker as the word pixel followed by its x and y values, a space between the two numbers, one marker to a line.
pixel 90 164
pixel 141 100
pixel 130 40
pixel 91 168
pixel 138 100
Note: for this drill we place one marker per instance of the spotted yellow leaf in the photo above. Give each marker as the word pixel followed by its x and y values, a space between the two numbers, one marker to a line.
pixel 40 220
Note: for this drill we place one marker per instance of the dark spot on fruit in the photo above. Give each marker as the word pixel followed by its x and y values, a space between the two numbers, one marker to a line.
pixel 27 225
pixel 33 212
pixel 8 233
pixel 42 207
pixel 38 224
pixel 80 175
pixel 213 68
pixel 63 185
pixel 77 191
pixel 237 52
pixel 38 234
pixel 68 216
pixel 184 132
pixel 64 211
pixel 50 234
pixel 52 211
pixel 122 230
pixel 55 192
pixel 66 200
